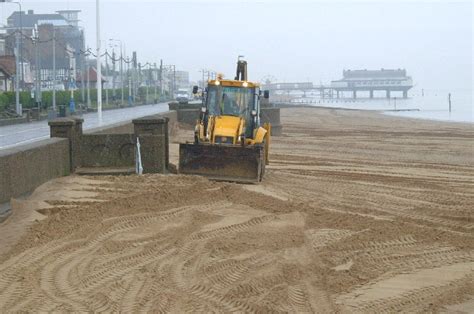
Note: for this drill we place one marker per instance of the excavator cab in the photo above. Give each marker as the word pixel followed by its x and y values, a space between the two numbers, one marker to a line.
pixel 229 142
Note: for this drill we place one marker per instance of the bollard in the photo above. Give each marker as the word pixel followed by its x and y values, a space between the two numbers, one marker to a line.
pixel 138 159
pixel 449 100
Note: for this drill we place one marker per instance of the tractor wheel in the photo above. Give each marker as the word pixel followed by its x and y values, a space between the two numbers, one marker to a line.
pixel 263 160
pixel 242 141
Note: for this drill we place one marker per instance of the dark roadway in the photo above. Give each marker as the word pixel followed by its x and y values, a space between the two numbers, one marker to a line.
pixel 18 134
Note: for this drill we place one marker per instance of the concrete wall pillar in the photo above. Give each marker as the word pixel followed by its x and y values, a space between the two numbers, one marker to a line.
pixel 354 94
pixel 77 142
pixel 78 125
pixel 337 94
pixel 388 93
pixel 371 93
pixel 158 127
pixel 265 103
pixel 174 105
pixel 405 94
pixel 272 116
pixel 189 116
pixel 66 128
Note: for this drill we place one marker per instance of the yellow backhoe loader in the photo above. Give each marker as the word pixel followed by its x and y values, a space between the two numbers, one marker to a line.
pixel 229 142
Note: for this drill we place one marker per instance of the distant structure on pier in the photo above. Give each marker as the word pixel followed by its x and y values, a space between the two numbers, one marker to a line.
pixel 373 80
pixel 301 86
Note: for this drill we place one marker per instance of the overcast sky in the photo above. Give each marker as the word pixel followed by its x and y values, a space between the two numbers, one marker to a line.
pixel 291 41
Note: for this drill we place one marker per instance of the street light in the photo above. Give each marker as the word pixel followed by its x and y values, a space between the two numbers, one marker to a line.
pixel 18 108
pixel 72 72
pixel 83 58
pixel 172 67
pixel 121 64
pixel 99 65
pixel 36 38
pixel 130 95
pixel 54 69
pixel 210 75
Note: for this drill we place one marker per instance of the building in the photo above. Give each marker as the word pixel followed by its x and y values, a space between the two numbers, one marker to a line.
pixel 7 73
pixel 3 33
pixel 182 79
pixel 373 80
pixel 71 16
pixel 83 80
pixel 69 39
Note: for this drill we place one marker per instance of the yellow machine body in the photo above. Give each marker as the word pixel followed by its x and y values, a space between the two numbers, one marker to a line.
pixel 229 142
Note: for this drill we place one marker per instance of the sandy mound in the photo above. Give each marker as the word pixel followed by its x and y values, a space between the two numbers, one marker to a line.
pixel 352 216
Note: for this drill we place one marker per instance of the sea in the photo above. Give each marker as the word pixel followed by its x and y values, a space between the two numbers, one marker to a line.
pixel 420 104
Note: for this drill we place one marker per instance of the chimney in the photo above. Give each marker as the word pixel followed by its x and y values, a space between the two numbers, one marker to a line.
pixel 31 12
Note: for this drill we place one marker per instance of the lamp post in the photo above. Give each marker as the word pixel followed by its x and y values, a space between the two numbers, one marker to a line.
pixel 161 79
pixel 72 84
pixel 73 63
pixel 54 69
pixel 114 71
pixel 38 67
pixel 203 71
pixel 130 97
pixel 88 86
pixel 146 79
pixel 18 108
pixel 134 75
pixel 174 79
pixel 210 75
pixel 121 65
pixel 106 77
pixel 156 85
pixel 173 83
pixel 99 65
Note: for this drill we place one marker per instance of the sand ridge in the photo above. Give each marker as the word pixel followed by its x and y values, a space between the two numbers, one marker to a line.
pixel 358 212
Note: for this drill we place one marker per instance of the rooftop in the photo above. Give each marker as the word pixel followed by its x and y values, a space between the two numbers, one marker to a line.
pixel 29 19
pixel 8 65
pixel 369 74
pixel 68 11
pixel 92 76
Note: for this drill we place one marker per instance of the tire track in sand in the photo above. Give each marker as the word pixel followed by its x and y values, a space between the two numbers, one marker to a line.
pixel 413 290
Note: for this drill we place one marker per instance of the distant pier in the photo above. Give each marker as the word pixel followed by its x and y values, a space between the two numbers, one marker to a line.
pixel 353 82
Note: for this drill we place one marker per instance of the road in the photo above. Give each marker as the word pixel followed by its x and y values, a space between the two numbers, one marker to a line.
pixel 19 134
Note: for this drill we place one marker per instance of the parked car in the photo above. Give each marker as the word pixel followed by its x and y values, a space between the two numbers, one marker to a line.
pixel 182 96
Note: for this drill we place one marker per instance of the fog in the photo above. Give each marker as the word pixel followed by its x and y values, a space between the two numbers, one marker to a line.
pixel 291 41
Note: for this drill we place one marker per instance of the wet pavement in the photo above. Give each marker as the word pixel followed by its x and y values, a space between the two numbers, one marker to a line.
pixel 25 133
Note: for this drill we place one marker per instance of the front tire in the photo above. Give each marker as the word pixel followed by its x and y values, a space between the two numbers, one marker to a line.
pixel 263 161
pixel 242 140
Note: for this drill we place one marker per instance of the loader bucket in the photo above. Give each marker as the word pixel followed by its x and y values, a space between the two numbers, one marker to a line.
pixel 222 162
